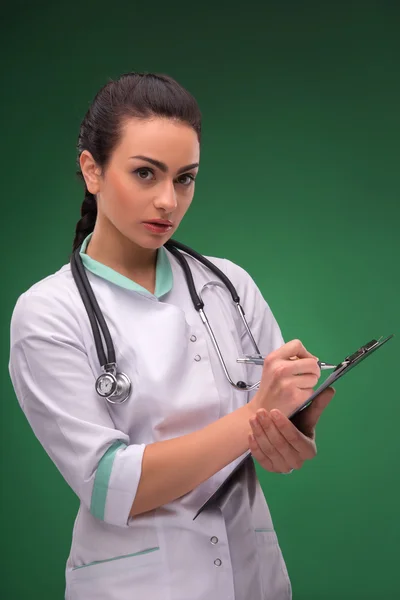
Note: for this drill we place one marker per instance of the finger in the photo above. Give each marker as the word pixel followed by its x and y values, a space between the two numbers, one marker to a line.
pixel 306 382
pixel 258 454
pixel 290 349
pixel 262 432
pixel 300 366
pixel 304 366
pixel 265 446
pixel 293 450
pixel 301 444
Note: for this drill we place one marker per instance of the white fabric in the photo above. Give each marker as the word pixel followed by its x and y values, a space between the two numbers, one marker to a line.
pixel 54 365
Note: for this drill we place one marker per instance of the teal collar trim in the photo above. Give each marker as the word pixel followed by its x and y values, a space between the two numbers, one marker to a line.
pixel 163 272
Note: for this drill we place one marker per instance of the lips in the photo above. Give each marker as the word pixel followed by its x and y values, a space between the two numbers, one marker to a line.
pixel 159 226
pixel 164 222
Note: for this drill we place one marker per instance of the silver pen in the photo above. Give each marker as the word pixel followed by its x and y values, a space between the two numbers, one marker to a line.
pixel 259 360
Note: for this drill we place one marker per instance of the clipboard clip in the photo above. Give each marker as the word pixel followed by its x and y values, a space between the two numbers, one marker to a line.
pixel 361 351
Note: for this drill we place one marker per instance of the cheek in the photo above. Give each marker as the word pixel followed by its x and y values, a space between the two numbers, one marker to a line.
pixel 184 203
pixel 121 196
pixel 180 211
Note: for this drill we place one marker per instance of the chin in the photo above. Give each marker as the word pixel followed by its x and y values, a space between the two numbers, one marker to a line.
pixel 151 242
pixel 154 244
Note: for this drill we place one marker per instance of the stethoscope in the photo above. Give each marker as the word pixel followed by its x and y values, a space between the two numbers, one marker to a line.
pixel 116 386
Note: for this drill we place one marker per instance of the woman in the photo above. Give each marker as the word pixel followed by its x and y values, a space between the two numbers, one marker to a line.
pixel 143 468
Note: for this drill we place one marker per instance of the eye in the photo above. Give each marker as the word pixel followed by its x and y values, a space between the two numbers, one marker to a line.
pixel 144 172
pixel 186 179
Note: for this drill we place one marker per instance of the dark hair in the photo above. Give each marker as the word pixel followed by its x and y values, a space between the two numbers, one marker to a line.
pixel 140 95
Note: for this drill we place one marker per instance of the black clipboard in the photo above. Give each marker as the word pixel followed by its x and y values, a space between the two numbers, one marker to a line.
pixel 341 369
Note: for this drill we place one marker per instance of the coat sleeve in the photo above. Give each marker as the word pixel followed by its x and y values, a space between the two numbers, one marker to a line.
pixel 54 385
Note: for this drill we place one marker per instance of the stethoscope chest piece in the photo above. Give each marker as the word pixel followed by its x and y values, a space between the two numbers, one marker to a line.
pixel 116 389
pixel 115 386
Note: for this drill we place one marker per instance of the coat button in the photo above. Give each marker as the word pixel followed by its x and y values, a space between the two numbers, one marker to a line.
pixel 217 562
pixel 214 540
pixel 197 358
pixel 193 338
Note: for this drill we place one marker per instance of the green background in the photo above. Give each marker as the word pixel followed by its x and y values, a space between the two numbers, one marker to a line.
pixel 298 184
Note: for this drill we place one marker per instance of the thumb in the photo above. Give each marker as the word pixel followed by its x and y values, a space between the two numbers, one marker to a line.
pixel 322 401
pixel 312 413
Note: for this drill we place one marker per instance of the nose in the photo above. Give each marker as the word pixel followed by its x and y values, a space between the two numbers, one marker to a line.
pixel 166 198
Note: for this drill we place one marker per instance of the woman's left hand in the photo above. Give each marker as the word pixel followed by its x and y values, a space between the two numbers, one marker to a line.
pixel 278 444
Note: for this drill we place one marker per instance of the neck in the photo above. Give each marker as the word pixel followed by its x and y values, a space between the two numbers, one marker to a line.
pixel 109 247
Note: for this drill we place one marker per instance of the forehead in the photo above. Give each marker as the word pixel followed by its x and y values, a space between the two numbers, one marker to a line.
pixel 163 139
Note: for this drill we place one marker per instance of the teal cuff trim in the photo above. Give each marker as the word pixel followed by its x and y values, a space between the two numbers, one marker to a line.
pixel 99 562
pixel 164 277
pixel 101 480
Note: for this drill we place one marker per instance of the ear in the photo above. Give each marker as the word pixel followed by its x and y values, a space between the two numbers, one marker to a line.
pixel 90 172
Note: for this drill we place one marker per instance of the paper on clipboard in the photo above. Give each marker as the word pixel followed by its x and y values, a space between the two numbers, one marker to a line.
pixel 342 368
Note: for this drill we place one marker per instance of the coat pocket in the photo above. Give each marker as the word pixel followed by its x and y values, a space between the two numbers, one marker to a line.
pixel 275 581
pixel 138 575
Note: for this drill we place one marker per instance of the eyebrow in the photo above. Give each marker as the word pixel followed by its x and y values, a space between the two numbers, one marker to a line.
pixel 162 166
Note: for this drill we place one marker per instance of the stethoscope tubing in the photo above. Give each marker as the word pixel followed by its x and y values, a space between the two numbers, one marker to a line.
pixel 96 317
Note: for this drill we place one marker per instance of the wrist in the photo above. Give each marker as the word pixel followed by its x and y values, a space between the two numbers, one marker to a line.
pixel 251 408
pixel 254 405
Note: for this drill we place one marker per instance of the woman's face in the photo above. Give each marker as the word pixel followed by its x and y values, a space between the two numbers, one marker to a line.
pixel 150 176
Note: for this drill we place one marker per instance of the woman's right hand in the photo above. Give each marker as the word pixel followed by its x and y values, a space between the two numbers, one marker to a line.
pixel 286 383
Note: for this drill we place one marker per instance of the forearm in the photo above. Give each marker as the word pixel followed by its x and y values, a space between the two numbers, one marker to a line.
pixel 175 467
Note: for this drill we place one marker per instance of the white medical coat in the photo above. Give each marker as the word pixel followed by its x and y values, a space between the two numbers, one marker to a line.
pixel 230 552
